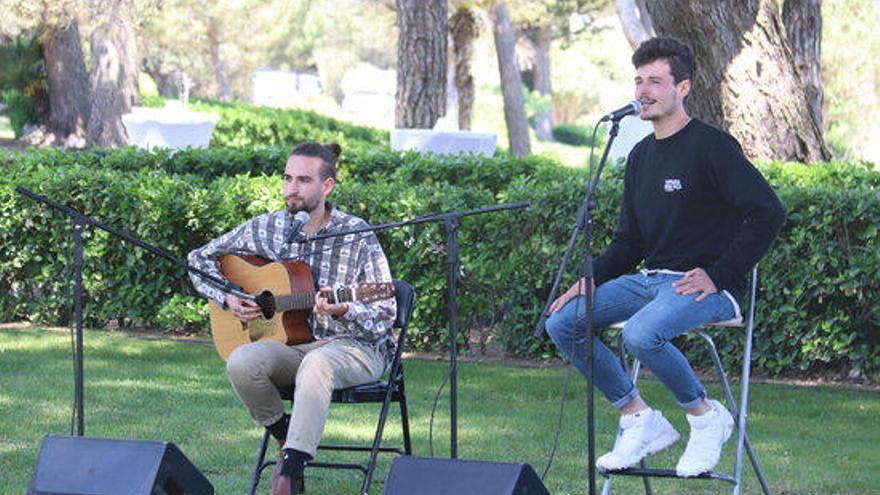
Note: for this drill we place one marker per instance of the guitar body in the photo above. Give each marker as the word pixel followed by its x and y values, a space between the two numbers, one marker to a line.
pixel 256 275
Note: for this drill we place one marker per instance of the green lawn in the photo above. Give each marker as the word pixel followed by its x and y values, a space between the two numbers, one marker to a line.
pixel 820 440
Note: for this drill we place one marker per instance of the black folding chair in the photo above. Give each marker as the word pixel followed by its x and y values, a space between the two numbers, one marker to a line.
pixel 385 392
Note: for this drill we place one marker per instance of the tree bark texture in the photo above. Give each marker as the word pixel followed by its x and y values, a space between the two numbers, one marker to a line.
pixel 541 37
pixel 635 20
pixel 108 82
pixel 464 29
pixel 746 80
pixel 220 72
pixel 803 27
pixel 421 63
pixel 67 80
pixel 125 38
pixel 511 83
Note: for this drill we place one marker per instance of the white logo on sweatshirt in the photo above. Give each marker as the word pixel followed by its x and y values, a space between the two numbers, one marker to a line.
pixel 672 185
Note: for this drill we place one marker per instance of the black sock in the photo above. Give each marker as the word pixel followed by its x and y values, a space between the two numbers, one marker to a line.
pixel 294 463
pixel 278 429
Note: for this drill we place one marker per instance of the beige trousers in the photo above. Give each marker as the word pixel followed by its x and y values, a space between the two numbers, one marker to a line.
pixel 256 370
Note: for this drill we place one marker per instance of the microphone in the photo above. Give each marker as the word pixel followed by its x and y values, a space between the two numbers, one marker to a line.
pixel 301 218
pixel 632 108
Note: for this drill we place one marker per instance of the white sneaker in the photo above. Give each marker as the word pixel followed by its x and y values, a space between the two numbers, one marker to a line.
pixel 640 434
pixel 708 434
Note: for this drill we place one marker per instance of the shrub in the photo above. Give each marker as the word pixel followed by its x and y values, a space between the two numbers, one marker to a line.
pixel 818 301
pixel 576 135
pixel 20 110
pixel 248 126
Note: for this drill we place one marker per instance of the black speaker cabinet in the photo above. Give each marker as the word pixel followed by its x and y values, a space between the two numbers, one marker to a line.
pixel 429 476
pixel 103 466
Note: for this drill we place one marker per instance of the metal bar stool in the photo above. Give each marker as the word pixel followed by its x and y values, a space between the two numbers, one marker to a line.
pixel 739 413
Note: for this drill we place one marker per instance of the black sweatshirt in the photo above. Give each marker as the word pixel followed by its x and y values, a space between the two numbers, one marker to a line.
pixel 692 200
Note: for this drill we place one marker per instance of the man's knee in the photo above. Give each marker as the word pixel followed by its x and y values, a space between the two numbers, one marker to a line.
pixel 557 326
pixel 242 365
pixel 639 338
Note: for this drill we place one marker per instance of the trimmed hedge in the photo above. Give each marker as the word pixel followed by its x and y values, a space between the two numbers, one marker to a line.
pixel 577 135
pixel 818 306
pixel 248 126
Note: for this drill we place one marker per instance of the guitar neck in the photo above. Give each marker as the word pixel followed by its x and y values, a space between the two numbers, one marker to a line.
pixel 306 300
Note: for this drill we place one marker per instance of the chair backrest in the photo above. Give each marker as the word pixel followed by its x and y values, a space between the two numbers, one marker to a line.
pixel 405 296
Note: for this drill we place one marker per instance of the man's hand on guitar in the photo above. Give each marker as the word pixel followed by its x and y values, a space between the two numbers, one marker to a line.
pixel 243 309
pixel 324 307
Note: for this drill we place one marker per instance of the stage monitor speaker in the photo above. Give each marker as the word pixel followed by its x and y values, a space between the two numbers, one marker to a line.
pixel 430 476
pixel 103 466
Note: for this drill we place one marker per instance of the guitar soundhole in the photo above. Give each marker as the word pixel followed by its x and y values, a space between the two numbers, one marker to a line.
pixel 266 302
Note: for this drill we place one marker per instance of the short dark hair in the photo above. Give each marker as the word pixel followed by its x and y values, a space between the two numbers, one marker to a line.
pixel 328 153
pixel 677 54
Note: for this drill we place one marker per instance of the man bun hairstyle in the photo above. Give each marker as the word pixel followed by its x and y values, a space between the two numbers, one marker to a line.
pixel 677 54
pixel 328 153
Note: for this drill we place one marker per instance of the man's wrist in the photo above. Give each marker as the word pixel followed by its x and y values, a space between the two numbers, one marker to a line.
pixel 342 312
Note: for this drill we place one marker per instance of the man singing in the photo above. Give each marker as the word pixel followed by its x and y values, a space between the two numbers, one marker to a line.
pixel 700 216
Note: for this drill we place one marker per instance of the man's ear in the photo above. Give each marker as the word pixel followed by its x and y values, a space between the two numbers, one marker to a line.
pixel 328 185
pixel 684 87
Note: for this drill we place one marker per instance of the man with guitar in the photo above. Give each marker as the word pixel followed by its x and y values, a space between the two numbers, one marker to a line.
pixel 352 342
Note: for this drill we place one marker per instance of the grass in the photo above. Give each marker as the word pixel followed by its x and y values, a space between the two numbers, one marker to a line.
pixel 811 440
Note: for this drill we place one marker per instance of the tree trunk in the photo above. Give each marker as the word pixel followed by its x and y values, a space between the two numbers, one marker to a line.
pixel 544 119
pixel 127 43
pixel 746 81
pixel 214 41
pixel 511 84
pixel 108 81
pixel 803 27
pixel 421 63
pixel 635 20
pixel 67 79
pixel 464 29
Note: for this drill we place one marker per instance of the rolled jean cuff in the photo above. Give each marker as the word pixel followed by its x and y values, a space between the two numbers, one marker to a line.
pixel 696 402
pixel 626 399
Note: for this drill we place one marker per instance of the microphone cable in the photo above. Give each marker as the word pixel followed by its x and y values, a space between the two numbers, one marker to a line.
pixel 567 379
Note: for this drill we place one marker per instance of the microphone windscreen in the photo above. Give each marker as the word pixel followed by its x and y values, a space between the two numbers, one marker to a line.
pixel 302 216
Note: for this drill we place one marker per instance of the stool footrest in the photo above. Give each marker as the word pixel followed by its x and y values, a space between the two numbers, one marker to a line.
pixel 667 473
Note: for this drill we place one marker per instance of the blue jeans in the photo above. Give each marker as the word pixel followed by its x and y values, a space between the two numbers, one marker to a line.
pixel 655 314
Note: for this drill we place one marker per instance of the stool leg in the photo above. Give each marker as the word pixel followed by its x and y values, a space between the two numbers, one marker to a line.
pixel 739 416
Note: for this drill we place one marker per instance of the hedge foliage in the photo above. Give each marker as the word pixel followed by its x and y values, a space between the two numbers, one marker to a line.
pixel 818 306
pixel 248 126
pixel 577 135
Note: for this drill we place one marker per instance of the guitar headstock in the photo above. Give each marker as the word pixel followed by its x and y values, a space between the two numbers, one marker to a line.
pixel 368 292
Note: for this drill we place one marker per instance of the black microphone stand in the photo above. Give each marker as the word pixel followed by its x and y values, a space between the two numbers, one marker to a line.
pixel 584 225
pixel 78 222
pixel 451 221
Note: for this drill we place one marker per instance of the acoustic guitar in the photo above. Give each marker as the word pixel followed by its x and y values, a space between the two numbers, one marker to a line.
pixel 286 294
